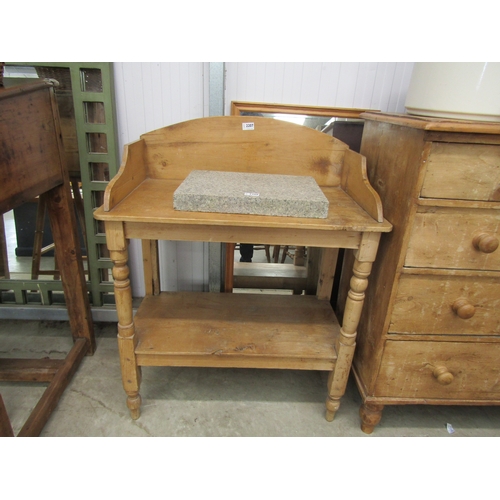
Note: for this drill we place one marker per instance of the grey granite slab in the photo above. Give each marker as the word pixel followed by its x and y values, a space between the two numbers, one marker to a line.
pixel 255 194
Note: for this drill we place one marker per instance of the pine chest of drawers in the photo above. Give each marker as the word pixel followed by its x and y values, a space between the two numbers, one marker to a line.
pixel 430 331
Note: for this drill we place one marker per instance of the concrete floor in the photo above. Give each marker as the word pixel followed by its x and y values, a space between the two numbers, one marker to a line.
pixel 206 402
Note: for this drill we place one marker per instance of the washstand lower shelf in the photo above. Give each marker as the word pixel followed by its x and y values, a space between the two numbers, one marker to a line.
pixel 236 330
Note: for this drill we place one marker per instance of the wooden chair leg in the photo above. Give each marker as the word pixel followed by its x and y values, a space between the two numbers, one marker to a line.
pixel 38 249
pixel 80 211
pixel 268 253
pixel 38 240
pixel 276 254
pixel 80 214
pixel 283 256
pixel 4 258
pixel 57 275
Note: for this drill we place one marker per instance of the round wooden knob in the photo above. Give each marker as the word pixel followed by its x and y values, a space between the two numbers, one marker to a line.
pixel 485 242
pixel 463 308
pixel 442 375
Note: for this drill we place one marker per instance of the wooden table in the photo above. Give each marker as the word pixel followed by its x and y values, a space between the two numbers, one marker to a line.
pixel 32 164
pixel 239 330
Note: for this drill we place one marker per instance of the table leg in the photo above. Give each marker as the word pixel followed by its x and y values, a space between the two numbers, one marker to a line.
pixel 69 260
pixel 131 373
pixel 363 261
pixel 337 380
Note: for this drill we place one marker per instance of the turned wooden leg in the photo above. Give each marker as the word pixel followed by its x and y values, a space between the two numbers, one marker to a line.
pixel 134 404
pixel 131 373
pixel 337 380
pixel 332 402
pixel 370 414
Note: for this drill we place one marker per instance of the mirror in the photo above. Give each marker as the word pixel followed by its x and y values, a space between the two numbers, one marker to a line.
pixel 296 274
pixel 348 130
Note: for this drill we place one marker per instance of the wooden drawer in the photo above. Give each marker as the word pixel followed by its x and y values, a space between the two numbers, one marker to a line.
pixel 407 370
pixel 444 238
pixel 447 305
pixel 463 172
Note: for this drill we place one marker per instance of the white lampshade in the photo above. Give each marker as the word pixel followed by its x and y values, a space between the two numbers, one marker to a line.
pixel 465 91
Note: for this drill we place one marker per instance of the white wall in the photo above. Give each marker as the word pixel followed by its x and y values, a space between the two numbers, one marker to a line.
pixel 150 96
pixel 380 86
pixel 154 95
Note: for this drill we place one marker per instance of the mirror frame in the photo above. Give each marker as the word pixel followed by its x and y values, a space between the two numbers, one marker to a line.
pixel 238 107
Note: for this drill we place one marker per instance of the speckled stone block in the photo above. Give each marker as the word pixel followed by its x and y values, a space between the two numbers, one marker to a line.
pixel 255 194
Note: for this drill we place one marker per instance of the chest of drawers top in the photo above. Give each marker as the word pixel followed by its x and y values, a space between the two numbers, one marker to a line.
pixel 429 169
pixel 435 124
